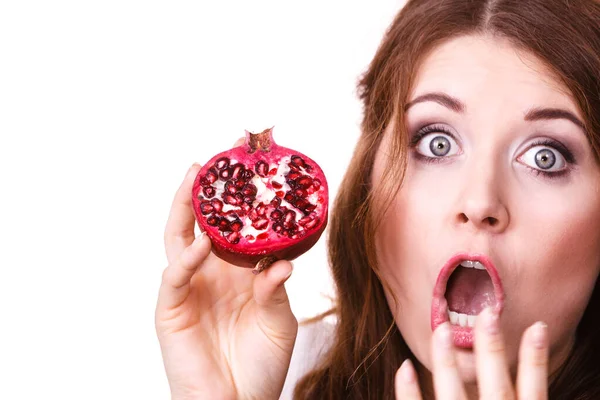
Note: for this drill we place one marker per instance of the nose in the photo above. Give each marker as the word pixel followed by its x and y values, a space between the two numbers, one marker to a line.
pixel 481 204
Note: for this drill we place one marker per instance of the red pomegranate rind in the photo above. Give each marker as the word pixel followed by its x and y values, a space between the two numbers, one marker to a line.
pixel 261 202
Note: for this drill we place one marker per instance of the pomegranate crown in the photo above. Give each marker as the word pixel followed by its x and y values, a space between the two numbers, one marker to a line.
pixel 260 141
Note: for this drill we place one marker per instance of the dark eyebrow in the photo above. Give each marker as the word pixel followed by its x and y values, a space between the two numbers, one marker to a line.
pixel 440 98
pixel 536 114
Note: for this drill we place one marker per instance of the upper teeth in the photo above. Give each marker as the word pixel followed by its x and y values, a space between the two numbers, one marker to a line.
pixel 472 264
pixel 463 320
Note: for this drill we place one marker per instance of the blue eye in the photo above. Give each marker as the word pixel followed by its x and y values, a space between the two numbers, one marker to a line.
pixel 435 142
pixel 437 145
pixel 544 158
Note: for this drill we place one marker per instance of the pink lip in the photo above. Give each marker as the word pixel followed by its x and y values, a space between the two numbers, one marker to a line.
pixel 463 336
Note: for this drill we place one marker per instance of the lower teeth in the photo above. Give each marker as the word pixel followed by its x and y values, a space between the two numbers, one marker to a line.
pixel 463 320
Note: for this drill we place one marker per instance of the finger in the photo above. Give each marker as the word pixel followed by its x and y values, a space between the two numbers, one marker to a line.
pixel 446 379
pixel 532 377
pixel 179 232
pixel 492 371
pixel 239 142
pixel 406 383
pixel 274 311
pixel 176 277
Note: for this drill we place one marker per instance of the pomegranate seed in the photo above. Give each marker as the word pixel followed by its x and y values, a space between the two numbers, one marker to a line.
pixel 276 202
pixel 213 220
pixel 224 225
pixel 261 223
pixel 278 228
pixel 304 182
pixel 233 237
pixel 262 236
pixel 253 215
pixel 249 200
pixel 293 175
pixel 209 191
pixel 248 175
pixel 237 171
pixel 301 204
pixel 206 207
pixel 261 168
pixel 237 225
pixel 279 194
pixel 217 205
pixel 261 209
pixel 312 223
pixel 305 220
pixel 310 208
pixel 289 225
pixel 291 183
pixel 316 184
pixel 249 238
pixel 225 174
pixel 298 161
pixel 273 171
pixel 230 187
pixel 276 185
pixel 300 193
pixel 239 198
pixel 288 217
pixel 204 182
pixel 222 163
pixel 276 215
pixel 289 197
pixel 229 199
pixel 212 176
pixel 240 183
pixel 250 190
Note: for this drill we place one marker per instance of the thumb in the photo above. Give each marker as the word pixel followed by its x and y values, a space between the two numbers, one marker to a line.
pixel 272 300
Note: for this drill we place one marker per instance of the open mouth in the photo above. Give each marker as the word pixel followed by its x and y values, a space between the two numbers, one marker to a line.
pixel 465 286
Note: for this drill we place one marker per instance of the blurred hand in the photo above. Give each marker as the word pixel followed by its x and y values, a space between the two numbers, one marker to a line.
pixel 493 377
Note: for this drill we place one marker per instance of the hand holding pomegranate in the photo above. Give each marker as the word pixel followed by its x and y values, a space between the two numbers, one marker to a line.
pixel 224 332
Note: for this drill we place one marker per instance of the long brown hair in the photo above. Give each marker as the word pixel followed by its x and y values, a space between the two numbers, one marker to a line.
pixel 367 347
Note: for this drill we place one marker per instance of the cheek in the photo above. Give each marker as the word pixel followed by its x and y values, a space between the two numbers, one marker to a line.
pixel 407 238
pixel 406 248
pixel 551 256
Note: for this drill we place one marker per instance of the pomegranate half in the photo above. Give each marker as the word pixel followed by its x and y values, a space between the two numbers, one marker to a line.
pixel 260 202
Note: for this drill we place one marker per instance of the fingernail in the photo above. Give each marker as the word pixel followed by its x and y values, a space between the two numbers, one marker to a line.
pixel 200 237
pixel 408 371
pixel 490 321
pixel 445 335
pixel 539 335
pixel 289 274
pixel 194 165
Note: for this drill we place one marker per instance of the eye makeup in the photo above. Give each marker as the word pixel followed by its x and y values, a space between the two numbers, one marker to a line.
pixel 554 145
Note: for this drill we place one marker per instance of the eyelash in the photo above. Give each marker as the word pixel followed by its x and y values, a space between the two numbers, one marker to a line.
pixel 420 134
pixel 562 149
pixel 569 158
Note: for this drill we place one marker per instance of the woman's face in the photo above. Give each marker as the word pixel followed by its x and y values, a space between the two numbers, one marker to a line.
pixel 500 175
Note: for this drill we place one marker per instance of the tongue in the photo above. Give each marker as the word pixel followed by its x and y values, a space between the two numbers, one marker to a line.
pixel 469 291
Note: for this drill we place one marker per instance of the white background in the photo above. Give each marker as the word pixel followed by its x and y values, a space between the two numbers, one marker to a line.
pixel 103 107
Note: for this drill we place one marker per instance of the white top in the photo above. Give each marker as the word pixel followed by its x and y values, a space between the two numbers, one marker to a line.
pixel 312 342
